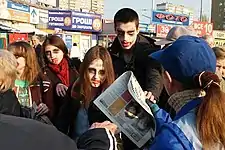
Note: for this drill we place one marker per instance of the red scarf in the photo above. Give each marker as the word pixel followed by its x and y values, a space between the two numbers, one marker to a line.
pixel 61 70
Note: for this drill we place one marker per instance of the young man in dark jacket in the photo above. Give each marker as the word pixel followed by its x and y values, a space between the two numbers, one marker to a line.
pixel 130 51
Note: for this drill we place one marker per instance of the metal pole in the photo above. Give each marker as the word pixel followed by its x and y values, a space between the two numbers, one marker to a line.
pixel 153 5
pixel 201 11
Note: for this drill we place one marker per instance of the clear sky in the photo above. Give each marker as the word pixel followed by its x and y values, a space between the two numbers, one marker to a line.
pixel 111 6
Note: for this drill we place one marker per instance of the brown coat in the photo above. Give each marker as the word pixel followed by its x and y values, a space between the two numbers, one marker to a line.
pixel 41 91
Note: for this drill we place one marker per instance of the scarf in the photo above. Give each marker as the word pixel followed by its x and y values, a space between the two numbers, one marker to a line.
pixel 61 70
pixel 178 100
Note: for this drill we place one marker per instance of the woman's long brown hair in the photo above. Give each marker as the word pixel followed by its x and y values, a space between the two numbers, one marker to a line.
pixel 56 41
pixel 211 113
pixel 24 49
pixel 96 52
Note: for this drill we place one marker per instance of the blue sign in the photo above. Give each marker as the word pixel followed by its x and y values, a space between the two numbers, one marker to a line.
pixel 169 18
pixel 68 41
pixel 19 7
pixel 59 19
pixel 86 22
pixel 75 21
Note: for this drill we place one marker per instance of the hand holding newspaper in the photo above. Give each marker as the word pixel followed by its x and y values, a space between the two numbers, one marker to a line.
pixel 124 104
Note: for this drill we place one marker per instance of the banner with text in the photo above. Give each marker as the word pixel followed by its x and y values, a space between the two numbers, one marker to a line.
pixel 217 34
pixel 76 21
pixel 18 12
pixel 162 30
pixel 86 22
pixel 59 19
pixel 219 43
pixel 169 18
pixel 202 28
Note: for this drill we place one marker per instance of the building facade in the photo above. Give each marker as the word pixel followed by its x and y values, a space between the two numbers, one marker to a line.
pixel 80 5
pixel 97 6
pixel 218 14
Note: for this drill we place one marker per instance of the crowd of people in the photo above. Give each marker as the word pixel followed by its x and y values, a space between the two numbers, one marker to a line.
pixel 46 98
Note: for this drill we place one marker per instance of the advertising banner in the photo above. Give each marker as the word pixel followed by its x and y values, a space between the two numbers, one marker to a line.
pixel 68 41
pixel 202 28
pixel 43 16
pixel 170 18
pixel 34 15
pixel 86 22
pixel 217 34
pixel 219 43
pixel 59 19
pixel 162 30
pixel 18 12
pixel 75 21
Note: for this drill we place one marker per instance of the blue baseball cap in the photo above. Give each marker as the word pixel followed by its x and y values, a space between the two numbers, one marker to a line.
pixel 186 57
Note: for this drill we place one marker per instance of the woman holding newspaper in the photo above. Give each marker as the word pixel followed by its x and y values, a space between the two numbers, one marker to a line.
pixel 96 74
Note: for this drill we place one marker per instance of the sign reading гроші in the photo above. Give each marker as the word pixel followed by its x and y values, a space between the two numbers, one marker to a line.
pixel 75 21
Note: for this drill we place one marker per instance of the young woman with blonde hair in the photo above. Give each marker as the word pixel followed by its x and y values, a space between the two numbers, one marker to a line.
pixel 9 104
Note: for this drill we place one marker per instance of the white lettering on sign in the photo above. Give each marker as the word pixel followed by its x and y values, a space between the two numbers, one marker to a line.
pixel 56 24
pixel 198 26
pixel 82 27
pixel 58 19
pixel 22 8
pixel 79 20
pixel 208 28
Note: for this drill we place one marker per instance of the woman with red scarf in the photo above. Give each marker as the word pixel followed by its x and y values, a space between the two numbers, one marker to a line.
pixel 58 68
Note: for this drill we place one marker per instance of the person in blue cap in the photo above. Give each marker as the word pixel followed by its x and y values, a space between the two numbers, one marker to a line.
pixel 193 86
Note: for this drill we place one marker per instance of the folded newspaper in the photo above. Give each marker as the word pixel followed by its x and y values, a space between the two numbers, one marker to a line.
pixel 125 105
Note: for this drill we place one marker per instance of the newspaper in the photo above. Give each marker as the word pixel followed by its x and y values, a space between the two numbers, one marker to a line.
pixel 124 104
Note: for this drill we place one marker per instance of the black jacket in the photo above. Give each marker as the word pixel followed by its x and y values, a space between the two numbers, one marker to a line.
pixel 25 134
pixel 9 103
pixel 147 70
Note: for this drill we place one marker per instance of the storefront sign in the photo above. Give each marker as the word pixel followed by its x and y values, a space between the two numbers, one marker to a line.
pixel 59 19
pixel 68 41
pixel 75 21
pixel 219 34
pixel 202 28
pixel 86 22
pixel 219 43
pixel 162 30
pixel 18 12
pixel 148 28
pixel 34 15
pixel 13 37
pixel 43 16
pixel 169 18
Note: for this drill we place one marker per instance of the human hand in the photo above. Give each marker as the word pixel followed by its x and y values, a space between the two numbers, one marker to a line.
pixel 61 89
pixel 149 97
pixel 42 109
pixel 107 125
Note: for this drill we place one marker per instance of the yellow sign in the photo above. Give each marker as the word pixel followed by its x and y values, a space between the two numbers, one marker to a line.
pixel 217 34
pixel 76 39
pixel 219 43
pixel 19 16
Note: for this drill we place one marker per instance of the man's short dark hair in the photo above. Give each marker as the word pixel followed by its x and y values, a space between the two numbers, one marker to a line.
pixel 126 15
pixel 74 44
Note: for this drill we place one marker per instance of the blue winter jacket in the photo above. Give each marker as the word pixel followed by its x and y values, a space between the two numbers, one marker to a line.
pixel 177 134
